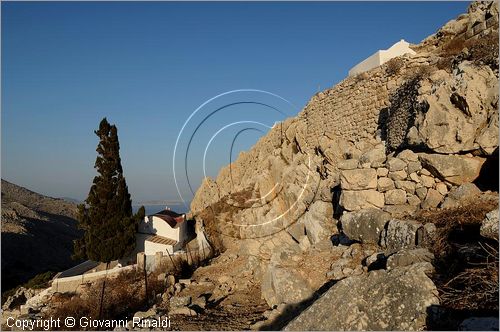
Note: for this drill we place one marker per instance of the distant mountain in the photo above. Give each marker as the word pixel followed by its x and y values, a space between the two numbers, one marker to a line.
pixel 158 202
pixel 72 200
pixel 37 234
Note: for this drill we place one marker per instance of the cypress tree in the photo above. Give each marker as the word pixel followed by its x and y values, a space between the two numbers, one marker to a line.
pixel 106 215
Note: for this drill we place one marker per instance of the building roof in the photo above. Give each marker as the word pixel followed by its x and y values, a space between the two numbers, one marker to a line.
pixel 161 240
pixel 172 218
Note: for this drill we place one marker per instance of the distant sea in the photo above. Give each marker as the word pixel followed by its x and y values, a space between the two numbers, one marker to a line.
pixel 151 209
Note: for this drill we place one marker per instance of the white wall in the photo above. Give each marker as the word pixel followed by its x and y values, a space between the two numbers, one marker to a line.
pixel 380 57
pixel 155 225
pixel 400 48
pixel 371 62
pixel 151 248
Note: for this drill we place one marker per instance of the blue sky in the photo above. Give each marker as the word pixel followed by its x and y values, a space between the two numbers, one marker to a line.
pixel 147 66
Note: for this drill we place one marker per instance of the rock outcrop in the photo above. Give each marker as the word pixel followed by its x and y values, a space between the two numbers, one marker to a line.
pixel 395 300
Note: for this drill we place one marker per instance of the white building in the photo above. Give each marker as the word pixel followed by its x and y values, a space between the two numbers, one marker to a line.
pixel 382 56
pixel 164 231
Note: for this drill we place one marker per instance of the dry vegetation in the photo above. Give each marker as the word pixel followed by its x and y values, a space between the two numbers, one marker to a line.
pixel 123 296
pixel 481 51
pixel 466 263
pixel 394 66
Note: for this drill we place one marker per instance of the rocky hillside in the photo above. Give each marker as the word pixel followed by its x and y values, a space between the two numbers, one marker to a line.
pixel 367 165
pixel 37 234
pixel 376 210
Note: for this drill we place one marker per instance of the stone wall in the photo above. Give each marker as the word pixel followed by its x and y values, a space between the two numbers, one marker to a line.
pixel 404 183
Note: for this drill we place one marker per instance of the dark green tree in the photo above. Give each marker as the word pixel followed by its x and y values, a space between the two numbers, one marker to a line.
pixel 106 215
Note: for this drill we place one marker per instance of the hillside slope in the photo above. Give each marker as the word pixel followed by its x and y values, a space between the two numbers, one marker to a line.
pixel 351 176
pixel 37 234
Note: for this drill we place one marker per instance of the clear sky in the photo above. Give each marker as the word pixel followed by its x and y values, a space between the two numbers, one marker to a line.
pixel 147 66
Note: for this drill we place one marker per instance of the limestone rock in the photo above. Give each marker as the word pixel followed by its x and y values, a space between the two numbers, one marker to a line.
pixel 374 157
pixel 282 285
pixel 407 257
pixel 413 200
pixel 414 166
pixel 179 301
pixel 183 311
pixel 400 234
pixel 432 199
pixel 489 226
pixel 408 155
pixel 348 164
pixel 401 210
pixel 395 197
pixel 365 225
pixel 19 297
pixel 206 195
pixel 384 184
pixel 464 192
pixel 145 314
pixel 398 175
pixel 421 192
pixel 395 164
pixel 353 200
pixel 427 181
pixel 382 171
pixel 407 186
pixel 442 188
pixel 453 168
pixel 358 179
pixel 400 302
pixel 318 221
pixel 297 230
pixel 458 110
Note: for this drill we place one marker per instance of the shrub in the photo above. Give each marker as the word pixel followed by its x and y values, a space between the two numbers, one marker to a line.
pixel 453 47
pixel 394 66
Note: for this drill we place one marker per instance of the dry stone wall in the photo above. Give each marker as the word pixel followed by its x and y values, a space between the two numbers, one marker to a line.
pixel 404 183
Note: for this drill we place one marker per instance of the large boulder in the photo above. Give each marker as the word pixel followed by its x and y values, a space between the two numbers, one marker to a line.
pixel 365 225
pixel 456 169
pixel 380 300
pixel 284 285
pixel 353 200
pixel 461 194
pixel 461 111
